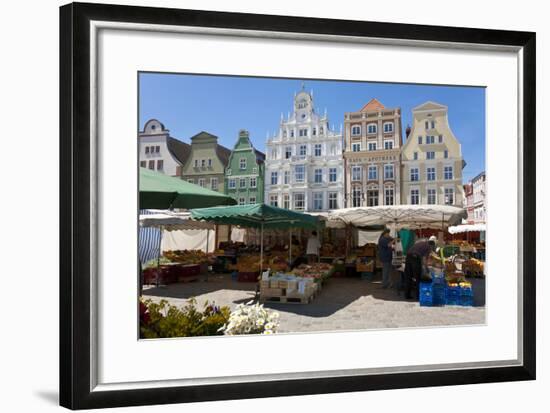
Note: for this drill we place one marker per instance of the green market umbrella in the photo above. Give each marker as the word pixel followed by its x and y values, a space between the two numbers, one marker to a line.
pixel 257 216
pixel 159 191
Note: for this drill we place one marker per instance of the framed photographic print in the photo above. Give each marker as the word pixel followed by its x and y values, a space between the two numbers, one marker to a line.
pixel 258 206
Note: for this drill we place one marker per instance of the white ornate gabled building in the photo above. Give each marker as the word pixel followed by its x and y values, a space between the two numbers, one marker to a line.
pixel 304 164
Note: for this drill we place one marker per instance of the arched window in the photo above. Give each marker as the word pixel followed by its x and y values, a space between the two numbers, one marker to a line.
pixel 388 127
pixel 371 128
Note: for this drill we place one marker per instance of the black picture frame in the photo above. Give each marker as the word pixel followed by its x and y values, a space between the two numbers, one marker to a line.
pixel 75 219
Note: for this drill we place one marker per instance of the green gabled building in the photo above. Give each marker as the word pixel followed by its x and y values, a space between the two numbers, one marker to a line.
pixel 244 174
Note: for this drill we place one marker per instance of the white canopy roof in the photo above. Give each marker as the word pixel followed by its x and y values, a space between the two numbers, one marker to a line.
pixel 457 229
pixel 407 216
pixel 173 221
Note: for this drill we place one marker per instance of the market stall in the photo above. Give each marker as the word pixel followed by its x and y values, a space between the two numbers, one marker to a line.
pixel 175 265
pixel 262 217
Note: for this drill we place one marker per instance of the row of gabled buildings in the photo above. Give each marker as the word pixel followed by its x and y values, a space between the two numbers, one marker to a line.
pixel 310 166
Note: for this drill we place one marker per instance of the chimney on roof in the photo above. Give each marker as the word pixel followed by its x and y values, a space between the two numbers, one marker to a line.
pixel 408 131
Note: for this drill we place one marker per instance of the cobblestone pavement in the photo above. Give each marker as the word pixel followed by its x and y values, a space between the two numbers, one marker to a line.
pixel 343 304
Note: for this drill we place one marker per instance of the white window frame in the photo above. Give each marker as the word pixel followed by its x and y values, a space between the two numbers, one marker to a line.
pixel 304 147
pixel 372 128
pixel 386 128
pixel 445 171
pixel 318 175
pixel 318 196
pixel 445 193
pixel 428 173
pixel 429 193
pixel 372 198
pixel 288 152
pixel 214 184
pixel 252 200
pixel 386 175
pixel 430 139
pixel 387 190
pixel 286 201
pixel 333 200
pixel 371 146
pixel 242 162
pixel 356 196
pixel 415 192
pixel 274 177
pixel 286 177
pixel 414 172
pixel 356 146
pixel 356 172
pixel 295 200
pixel 232 183
pixel 333 172
pixel 202 182
pixel 428 157
pixel 242 200
pixel 253 182
pixel 372 172
pixel 303 173
pixel 242 183
pixel 274 200
pixel 356 130
pixel 320 147
pixel 388 144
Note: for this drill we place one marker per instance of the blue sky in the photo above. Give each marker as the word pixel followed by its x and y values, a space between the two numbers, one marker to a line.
pixel 221 105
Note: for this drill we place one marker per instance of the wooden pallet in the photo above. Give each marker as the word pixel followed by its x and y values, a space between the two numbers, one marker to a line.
pixel 287 300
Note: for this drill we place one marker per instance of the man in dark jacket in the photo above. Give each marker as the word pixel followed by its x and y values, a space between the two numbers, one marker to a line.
pixel 385 254
pixel 414 263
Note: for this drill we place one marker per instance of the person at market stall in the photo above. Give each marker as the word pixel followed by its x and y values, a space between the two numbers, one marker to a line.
pixel 385 254
pixel 312 249
pixel 416 260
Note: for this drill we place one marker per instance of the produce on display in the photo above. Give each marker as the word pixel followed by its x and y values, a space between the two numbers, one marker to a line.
pixel 188 256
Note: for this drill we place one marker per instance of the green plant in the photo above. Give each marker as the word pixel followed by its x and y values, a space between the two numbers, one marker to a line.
pixel 162 320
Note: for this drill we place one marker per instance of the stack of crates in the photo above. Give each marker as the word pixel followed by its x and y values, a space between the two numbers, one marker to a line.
pixel 466 297
pixel 452 295
pixel 426 298
pixel 438 289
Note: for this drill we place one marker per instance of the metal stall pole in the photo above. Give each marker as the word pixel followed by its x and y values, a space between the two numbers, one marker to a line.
pixel 290 247
pixel 157 283
pixel 261 246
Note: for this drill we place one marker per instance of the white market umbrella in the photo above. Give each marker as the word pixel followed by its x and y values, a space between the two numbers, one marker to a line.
pixel 459 229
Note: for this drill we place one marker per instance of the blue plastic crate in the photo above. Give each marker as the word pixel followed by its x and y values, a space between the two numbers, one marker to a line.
pixel 439 294
pixel 466 301
pixel 452 295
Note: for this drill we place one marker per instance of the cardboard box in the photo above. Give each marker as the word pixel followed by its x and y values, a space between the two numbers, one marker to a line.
pixel 272 292
pixel 273 283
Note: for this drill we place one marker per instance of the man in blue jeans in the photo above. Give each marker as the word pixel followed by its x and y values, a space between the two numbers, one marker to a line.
pixel 385 254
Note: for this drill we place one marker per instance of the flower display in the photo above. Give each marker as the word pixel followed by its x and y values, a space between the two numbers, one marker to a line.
pixel 251 319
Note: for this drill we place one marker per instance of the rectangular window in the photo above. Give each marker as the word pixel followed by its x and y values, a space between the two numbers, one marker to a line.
pixel 414 174
pixel 356 173
pixel 427 125
pixel 242 163
pixel 333 149
pixel 317 200
pixel 415 197
pixel 371 128
pixel 299 173
pixel 232 183
pixel 388 127
pixel 299 201
pixel 292 133
pixel 303 150
pixel 318 176
pixel 202 182
pixel 440 138
pixel 286 201
pixel 252 200
pixel 372 198
pixel 433 124
pixel 273 200
pixel 274 154
pixel 287 177
pixel 372 146
pixel 317 149
pixel 242 183
pixel 314 132
pixel 274 178
pixel 203 163
pixel 160 165
pixel 209 163
pixel 415 156
pixel 242 201
pixel 356 130
pixel 373 172
pixel 449 196
pixel 143 164
pixel 288 152
pixel 356 147
pixel 152 165
pixel 446 154
pixel 332 175
pixel 356 196
pixel 430 155
pixel 196 163
pixel 420 140
pixel 147 149
pixel 388 145
pixel 448 172
pixel 430 139
pixel 157 149
pixel 430 174
pixel 388 196
pixel 333 200
pixel 253 182
pixel 303 132
pixel 214 184
pixel 431 196
pixel 388 172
